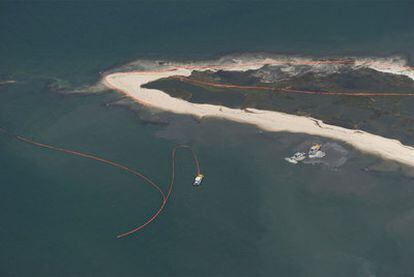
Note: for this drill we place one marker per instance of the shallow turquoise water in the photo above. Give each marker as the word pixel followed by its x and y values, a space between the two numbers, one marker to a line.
pixel 255 215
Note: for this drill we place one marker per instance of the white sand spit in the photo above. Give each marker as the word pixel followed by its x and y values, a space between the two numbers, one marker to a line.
pixel 131 83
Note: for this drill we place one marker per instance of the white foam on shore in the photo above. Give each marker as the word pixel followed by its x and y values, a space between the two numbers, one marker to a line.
pixel 130 83
pixel 392 65
pixel 396 65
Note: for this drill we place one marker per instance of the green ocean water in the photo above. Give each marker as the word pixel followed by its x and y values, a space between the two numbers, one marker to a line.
pixel 255 215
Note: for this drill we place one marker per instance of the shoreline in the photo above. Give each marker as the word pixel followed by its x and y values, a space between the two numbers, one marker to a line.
pixel 130 83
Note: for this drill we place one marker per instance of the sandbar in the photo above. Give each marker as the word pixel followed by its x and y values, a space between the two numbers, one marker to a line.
pixel 130 83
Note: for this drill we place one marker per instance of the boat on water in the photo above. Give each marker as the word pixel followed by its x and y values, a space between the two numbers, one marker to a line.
pixel 315 152
pixel 198 179
pixel 297 157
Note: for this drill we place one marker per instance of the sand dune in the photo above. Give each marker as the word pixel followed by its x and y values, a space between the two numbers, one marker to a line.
pixel 131 83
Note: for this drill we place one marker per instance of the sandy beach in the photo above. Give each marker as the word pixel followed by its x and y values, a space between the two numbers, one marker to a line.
pixel 130 83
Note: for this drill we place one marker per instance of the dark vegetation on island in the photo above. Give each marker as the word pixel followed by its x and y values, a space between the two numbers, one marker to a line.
pixel 389 116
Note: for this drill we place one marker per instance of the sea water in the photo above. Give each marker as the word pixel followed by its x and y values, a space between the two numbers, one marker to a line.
pixel 254 215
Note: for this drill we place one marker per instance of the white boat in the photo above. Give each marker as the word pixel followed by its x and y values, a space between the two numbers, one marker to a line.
pixel 315 152
pixel 198 179
pixel 297 157
pixel 317 155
